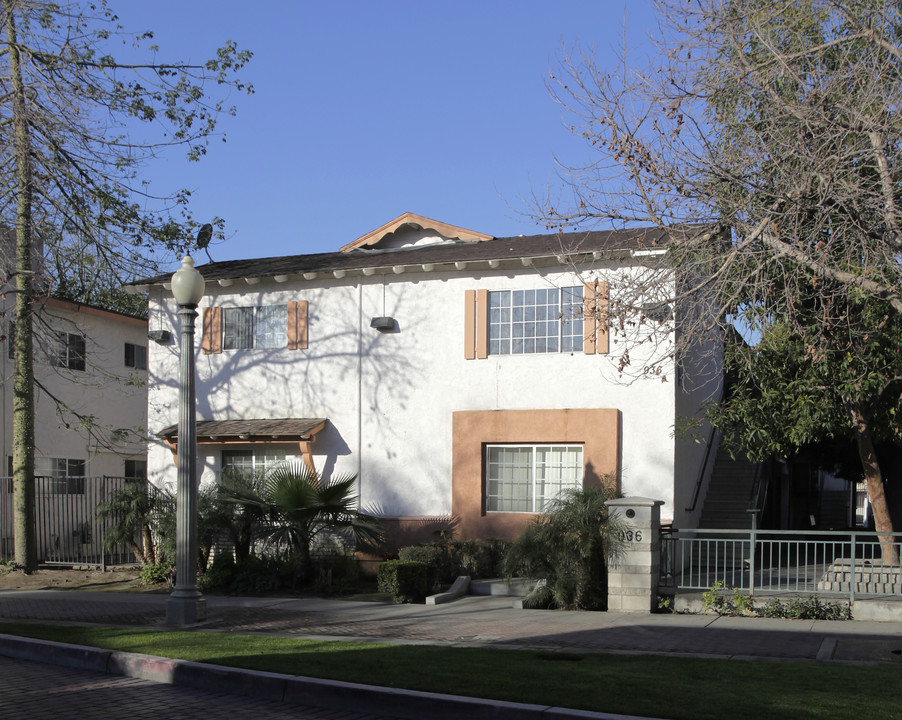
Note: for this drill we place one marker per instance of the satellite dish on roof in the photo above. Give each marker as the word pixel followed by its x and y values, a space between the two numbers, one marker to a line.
pixel 204 235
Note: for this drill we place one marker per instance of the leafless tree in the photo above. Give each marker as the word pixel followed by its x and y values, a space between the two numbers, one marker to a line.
pixel 775 126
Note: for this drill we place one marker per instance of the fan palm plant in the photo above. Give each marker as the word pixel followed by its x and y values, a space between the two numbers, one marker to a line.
pixel 296 507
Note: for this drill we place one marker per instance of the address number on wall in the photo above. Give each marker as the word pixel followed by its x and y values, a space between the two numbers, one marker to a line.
pixel 631 536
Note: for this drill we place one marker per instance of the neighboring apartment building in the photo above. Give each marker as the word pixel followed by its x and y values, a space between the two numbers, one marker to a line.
pixel 90 392
pixel 465 379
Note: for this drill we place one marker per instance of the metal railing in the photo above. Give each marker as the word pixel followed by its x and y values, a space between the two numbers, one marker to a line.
pixel 784 561
pixel 67 529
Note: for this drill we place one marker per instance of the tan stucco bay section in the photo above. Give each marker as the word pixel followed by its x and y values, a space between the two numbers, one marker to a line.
pixel 598 431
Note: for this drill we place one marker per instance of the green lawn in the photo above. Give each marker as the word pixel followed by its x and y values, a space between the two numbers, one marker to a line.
pixel 664 687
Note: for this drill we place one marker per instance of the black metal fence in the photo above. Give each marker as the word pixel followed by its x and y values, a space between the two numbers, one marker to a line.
pixel 67 529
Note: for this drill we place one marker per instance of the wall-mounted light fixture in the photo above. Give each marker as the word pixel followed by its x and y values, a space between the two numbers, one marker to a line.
pixel 383 324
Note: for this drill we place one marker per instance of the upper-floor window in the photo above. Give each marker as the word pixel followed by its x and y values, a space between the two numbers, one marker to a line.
pixel 135 356
pixel 547 320
pixel 263 326
pixel 67 350
pixel 525 478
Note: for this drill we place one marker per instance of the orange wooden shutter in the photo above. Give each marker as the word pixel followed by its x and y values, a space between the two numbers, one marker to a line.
pixel 292 325
pixel 590 320
pixel 470 324
pixel 211 342
pixel 302 325
pixel 297 325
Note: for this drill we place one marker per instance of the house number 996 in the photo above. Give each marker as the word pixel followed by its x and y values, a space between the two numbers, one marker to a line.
pixel 631 535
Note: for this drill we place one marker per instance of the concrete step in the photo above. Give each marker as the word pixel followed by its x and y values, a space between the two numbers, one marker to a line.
pixel 519 587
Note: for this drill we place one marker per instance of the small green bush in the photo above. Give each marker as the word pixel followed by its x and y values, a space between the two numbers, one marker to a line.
pixel 479 558
pixel 406 580
pixel 336 576
pixel 219 574
pixel 156 574
pixel 740 603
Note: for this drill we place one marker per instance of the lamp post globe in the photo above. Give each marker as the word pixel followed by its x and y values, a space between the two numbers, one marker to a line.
pixel 186 605
pixel 187 283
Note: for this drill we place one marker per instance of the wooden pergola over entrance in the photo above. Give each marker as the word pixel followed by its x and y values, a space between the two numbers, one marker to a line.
pixel 302 431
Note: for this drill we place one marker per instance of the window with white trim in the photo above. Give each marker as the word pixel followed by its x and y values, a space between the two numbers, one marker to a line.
pixel 547 320
pixel 248 463
pixel 263 326
pixel 525 478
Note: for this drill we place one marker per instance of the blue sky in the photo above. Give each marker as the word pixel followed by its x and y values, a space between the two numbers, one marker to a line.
pixel 365 110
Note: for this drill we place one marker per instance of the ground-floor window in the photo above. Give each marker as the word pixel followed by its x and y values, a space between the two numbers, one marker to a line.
pixel 59 476
pixel 524 478
pixel 252 462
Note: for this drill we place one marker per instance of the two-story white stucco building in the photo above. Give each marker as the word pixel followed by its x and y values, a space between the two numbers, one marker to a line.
pixel 90 373
pixel 464 379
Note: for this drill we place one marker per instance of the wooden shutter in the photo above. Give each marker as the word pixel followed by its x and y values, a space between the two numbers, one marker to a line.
pixel 590 319
pixel 470 324
pixel 212 331
pixel 297 325
pixel 476 324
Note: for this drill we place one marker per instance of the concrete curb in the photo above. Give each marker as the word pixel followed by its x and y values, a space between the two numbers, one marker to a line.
pixel 330 694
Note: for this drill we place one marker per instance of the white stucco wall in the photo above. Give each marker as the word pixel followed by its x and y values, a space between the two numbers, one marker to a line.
pixel 390 397
pixel 113 394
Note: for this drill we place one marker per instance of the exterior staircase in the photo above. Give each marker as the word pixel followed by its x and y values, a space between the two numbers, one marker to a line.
pixel 729 492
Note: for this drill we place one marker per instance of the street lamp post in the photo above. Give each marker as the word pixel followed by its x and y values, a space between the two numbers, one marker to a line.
pixel 186 605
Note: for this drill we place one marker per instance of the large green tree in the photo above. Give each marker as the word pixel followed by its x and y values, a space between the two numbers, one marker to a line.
pixel 765 138
pixel 77 125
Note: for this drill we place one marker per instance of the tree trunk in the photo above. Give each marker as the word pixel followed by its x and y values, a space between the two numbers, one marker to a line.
pixel 883 523
pixel 23 379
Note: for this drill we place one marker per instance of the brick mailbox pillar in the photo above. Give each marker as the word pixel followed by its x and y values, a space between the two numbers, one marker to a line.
pixel 633 577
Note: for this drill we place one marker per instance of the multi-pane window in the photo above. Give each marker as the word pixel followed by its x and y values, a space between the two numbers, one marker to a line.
pixel 135 356
pixel 60 349
pixel 59 476
pixel 547 320
pixel 247 463
pixel 263 326
pixel 524 478
pixel 68 351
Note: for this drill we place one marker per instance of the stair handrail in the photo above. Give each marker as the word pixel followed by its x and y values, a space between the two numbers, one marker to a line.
pixel 701 472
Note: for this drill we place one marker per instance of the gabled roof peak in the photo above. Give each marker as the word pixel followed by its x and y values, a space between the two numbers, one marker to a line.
pixel 416 222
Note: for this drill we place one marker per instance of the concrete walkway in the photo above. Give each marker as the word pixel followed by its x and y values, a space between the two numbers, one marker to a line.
pixel 469 621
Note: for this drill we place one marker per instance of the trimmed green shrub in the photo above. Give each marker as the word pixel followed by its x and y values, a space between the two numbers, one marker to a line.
pixel 406 580
pixel 435 557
